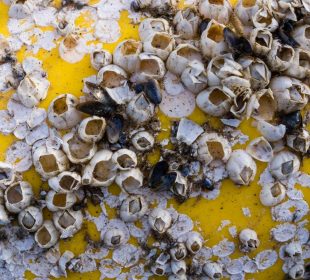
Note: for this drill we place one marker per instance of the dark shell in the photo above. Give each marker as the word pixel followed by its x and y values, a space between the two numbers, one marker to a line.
pixel 151 89
pixel 239 45
pixel 3 176
pixel 284 31
pixel 292 121
pixel 96 108
pixel 114 128
pixel 134 6
pixel 100 94
pixel 203 25
pixel 159 170
pixel 168 180
pixel 207 184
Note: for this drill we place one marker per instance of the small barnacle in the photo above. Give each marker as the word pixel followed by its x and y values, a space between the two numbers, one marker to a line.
pixel 186 23
pixel 194 242
pixel 293 250
pixel 47 235
pixel 241 167
pixel 178 252
pixel 301 35
pixel 297 271
pixel 160 220
pixel 178 267
pixel 260 149
pixel 114 237
pixel 249 240
pixel 114 128
pixel 264 18
pixel 239 45
pixel 218 10
pixel 300 67
pixel 299 141
pixel 150 26
pixel 92 129
pixel 129 180
pixel 143 141
pixel 273 194
pixel 261 40
pixel 62 113
pixel 213 270
pixel 68 222
pixel 125 159
pixel 31 218
pixel 7 173
pixel 180 187
pixel 284 164
pixel 18 196
pixel 133 208
pixel 72 48
pixel 245 10
pixel 59 201
pixel 100 58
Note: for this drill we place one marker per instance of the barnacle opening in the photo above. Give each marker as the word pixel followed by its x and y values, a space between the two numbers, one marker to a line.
pixel 68 182
pixel 284 53
pixel 216 149
pixel 14 194
pixel 94 127
pixel 141 102
pixel 246 174
pixel 263 39
pixel 28 220
pixel 195 246
pixel 102 171
pixel 215 33
pixel 287 167
pixel 216 2
pixel 116 240
pixel 248 3
pixel 149 66
pixel 143 142
pixel 159 224
pixel 159 271
pixel 60 105
pixel 217 97
pixel 125 161
pixel 66 220
pixel 78 148
pixel 135 206
pixel 307 32
pixel 70 42
pixel 130 183
pixel 217 275
pixel 179 254
pixel 188 53
pixel 43 236
pixel 161 41
pixel 60 199
pixel 267 20
pixel 267 107
pixel 111 79
pixel 275 190
pixel 304 59
pixel 157 25
pixel 129 48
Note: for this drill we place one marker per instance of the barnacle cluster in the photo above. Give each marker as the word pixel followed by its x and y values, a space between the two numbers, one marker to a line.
pixel 250 61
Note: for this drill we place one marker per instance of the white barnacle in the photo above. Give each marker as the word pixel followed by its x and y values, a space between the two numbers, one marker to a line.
pixel 68 222
pixel 213 270
pixel 133 208
pixel 62 113
pixel 301 35
pixel 31 218
pixel 194 242
pixel 7 173
pixel 178 267
pixel 159 269
pixel 180 187
pixel 160 220
pixel 245 10
pixel 72 48
pixel 151 25
pixel 114 237
pixel 299 141
pixel 293 249
pixel 260 149
pixel 100 58
pixel 92 129
pixel 219 10
pixel 249 240
pixel 59 201
pixel 264 18
pixel 47 235
pixel 300 68
pixel 143 141
pixel 272 194
pixel 297 271
pixel 272 133
pixel 186 23
pixel 283 232
pixel 284 164
pixel 65 182
pixel 241 167
pixel 129 180
pixel 125 159
pixel 178 252
pixel 261 41
pixel 18 196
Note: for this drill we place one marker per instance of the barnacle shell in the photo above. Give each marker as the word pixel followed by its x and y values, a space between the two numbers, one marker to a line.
pixel 68 222
pixel 261 41
pixel 49 162
pixel 297 271
pixel 100 171
pixel 272 133
pixel 212 146
pixel 264 18
pixel 100 58
pixel 125 159
pixel 188 131
pixel 62 113
pixel 133 208
pixel 72 48
pixel 151 25
pixel 32 89
pixel 249 240
pixel 301 35
pixel 143 141
pixel 92 129
pixel 126 55
pixel 129 180
pixel 159 269
pixel 291 94
pixel 299 141
pixel 194 242
pixel 213 270
pixel 218 10
pixel 160 220
pixel 7 173
pixel 293 249
pixel 181 56
pixel 284 164
pixel 272 194
pixel 114 237
pixel 186 23
pixel 215 101
pixel 260 149
pixel 59 201
pixel 21 10
pixel 180 187
pixel 212 40
pixel 31 218
pixel 47 235
pixel 4 218
pixel 245 10
pixel 65 182
pixel 76 149
pixel 194 77
pixel 178 267
pixel 300 68
pixel 241 167
pixel 178 252
pixel 18 196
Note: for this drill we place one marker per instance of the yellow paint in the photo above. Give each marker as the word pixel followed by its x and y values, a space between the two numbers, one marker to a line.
pixel 67 78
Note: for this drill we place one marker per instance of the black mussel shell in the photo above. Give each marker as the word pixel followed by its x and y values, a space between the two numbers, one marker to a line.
pixel 239 45
pixel 134 6
pixel 159 170
pixel 283 32
pixel 3 176
pixel 292 121
pixel 96 108
pixel 100 94
pixel 207 184
pixel 114 128
pixel 152 90
pixel 168 180
pixel 203 25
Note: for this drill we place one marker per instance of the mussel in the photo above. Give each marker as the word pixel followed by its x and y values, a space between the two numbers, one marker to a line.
pixel 152 90
pixel 238 45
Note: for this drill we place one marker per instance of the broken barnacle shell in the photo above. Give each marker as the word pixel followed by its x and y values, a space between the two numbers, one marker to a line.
pixel 261 105
pixel 114 237
pixel 183 134
pixel 180 186
pixel 215 101
pixel 113 79
pixel 194 77
pixel 66 181
pixel 133 208
pixel 18 196
pixel 239 45
pixel 241 167
pixel 100 171
pixel 140 109
pixel 125 159
pixel 21 9
pixel 213 270
pixel 272 133
pixel 256 71
pixel 245 10
pixel 280 57
pixel 284 164
pixel 62 113
pixel 293 250
pixel 212 146
pixel 194 242
pixel 181 56
pixel 32 89
pixel 212 40
pixel 49 162
pixel 77 150
pixel 160 44
pixel 249 240
pixel 72 48
pixel 68 222
pixel 178 267
pixel 261 41
pixel 143 141
pixel 129 180
pixel 221 67
pixel 92 129
pixel 64 25
pixel 100 58
pixel 47 235
pixel 31 218
pixel 114 128
pixel 160 220
pixel 260 149
pixel 297 271
pixel 273 194
pixel 299 141
pixel 264 18
pixel 240 101
pixel 152 25
pixel 126 55
pixel 300 68
pixel 59 201
pixel 219 10
pixel 186 23
pixel 152 90
pixel 7 173
pixel 178 252
pixel 301 35
pixel 290 94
